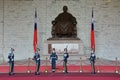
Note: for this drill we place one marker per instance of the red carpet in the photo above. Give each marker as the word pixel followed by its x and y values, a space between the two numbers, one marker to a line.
pixel 107 73
pixel 61 76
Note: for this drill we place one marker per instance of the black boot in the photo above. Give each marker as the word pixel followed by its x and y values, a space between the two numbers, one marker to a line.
pixel 37 73
pixel 11 73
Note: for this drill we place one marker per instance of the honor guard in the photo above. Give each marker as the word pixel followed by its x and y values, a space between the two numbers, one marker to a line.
pixel 53 59
pixel 37 60
pixel 65 57
pixel 11 62
pixel 92 61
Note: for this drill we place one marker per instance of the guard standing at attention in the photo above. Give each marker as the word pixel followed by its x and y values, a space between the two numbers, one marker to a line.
pixel 53 59
pixel 37 60
pixel 65 57
pixel 92 61
pixel 11 62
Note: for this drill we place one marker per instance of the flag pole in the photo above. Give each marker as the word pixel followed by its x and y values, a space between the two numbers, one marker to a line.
pixel 92 33
pixel 3 36
pixel 35 32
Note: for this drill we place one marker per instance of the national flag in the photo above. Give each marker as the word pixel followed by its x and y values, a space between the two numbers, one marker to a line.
pixel 92 34
pixel 35 33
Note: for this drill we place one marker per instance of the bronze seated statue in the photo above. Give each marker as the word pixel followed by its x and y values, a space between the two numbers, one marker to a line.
pixel 64 25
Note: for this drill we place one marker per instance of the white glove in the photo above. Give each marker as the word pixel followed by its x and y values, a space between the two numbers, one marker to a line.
pixel 50 61
pixel 12 59
pixel 38 58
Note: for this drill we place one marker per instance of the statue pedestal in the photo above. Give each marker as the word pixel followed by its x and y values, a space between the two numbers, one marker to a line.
pixel 75 48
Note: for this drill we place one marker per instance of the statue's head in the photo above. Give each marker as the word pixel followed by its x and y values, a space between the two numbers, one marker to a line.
pixel 65 8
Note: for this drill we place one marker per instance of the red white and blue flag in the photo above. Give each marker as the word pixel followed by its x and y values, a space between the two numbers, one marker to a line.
pixel 92 34
pixel 35 33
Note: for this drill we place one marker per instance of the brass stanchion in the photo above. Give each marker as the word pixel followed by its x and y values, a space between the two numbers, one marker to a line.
pixel 81 65
pixel 3 58
pixel 46 69
pixel 28 70
pixel 98 68
pixel 63 67
pixel 116 71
